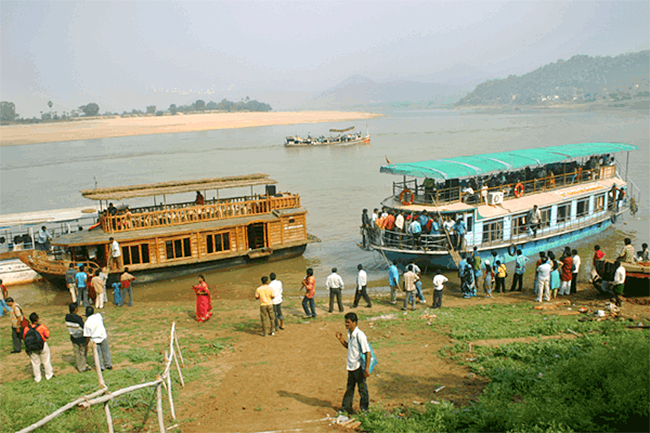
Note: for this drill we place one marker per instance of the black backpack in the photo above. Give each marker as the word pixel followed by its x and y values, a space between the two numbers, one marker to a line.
pixel 33 340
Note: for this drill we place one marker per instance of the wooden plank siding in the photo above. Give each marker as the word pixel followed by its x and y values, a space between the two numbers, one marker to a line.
pixel 294 228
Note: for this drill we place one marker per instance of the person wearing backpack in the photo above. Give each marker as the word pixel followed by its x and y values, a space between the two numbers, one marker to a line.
pixel 94 328
pixel 35 336
pixel 357 345
pixel 75 325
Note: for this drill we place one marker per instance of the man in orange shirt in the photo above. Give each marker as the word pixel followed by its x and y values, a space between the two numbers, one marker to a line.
pixel 265 294
pixel 32 346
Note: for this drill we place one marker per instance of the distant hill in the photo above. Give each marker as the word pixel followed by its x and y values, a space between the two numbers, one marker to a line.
pixel 579 79
pixel 361 91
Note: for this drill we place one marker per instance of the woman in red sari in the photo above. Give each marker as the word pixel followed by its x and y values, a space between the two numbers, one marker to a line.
pixel 203 300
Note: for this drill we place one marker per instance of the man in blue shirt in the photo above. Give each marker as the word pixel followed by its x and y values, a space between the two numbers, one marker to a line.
pixel 415 229
pixel 82 289
pixel 460 230
pixel 393 282
pixel 495 258
pixel 520 268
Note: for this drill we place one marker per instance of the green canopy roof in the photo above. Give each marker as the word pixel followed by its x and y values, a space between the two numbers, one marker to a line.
pixel 468 166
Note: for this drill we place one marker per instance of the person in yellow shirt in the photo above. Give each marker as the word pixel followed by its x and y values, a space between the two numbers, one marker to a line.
pixel 265 294
pixel 501 277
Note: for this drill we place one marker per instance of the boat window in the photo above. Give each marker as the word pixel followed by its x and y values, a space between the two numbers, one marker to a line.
pixel 493 231
pixel 135 254
pixel 217 242
pixel 519 225
pixel 470 223
pixel 563 213
pixel 546 217
pixel 600 203
pixel 582 208
pixel 178 248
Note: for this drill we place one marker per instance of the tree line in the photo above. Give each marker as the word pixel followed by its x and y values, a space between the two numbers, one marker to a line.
pixel 8 112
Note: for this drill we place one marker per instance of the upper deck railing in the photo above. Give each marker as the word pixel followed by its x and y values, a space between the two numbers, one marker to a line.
pixel 424 195
pixel 187 213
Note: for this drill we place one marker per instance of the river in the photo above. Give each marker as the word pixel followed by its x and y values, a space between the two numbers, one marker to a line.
pixel 335 183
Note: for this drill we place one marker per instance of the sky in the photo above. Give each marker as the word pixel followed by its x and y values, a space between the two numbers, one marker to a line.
pixel 130 54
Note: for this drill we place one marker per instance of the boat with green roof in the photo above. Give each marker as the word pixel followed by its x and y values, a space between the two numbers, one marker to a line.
pixel 530 200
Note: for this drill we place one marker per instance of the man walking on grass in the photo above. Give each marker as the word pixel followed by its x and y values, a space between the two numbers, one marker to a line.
pixel 35 336
pixel 335 285
pixel 357 343
pixel 75 325
pixel 94 328
pixel 265 294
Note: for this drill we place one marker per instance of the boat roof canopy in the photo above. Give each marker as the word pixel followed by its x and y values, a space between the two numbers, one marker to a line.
pixel 177 187
pixel 469 166
pixel 342 130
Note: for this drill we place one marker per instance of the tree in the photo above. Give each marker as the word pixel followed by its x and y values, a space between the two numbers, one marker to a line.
pixel 8 111
pixel 151 109
pixel 50 104
pixel 199 105
pixel 172 109
pixel 90 110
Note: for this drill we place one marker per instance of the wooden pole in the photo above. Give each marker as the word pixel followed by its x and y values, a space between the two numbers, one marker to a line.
pixel 109 418
pixel 180 375
pixel 159 410
pixel 169 395
pixel 178 350
pixel 98 368
pixel 117 393
pixel 56 413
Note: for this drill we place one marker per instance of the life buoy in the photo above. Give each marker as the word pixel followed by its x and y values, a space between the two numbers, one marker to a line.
pixel 579 176
pixel 405 192
pixel 512 249
pixel 94 226
pixel 519 190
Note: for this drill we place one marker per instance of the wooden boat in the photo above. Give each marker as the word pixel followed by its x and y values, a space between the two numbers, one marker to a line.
pixel 170 240
pixel 637 277
pixel 578 188
pixel 17 235
pixel 345 138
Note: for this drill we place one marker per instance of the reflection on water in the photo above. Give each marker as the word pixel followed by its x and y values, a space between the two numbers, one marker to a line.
pixel 335 183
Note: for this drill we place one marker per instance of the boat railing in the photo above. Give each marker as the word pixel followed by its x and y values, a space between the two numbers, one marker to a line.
pixel 187 213
pixel 428 195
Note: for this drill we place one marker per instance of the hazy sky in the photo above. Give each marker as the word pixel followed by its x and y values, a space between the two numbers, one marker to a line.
pixel 129 54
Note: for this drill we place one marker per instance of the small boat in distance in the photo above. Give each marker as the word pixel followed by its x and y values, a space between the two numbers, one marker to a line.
pixel 344 138
pixel 169 240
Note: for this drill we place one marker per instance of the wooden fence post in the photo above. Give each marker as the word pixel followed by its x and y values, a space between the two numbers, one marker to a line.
pixel 161 422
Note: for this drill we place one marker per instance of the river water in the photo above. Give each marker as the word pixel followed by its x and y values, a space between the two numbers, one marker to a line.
pixel 335 183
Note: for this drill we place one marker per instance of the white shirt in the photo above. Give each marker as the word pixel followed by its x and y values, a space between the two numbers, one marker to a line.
pixel 334 281
pixel 276 286
pixel 438 282
pixel 619 276
pixel 544 271
pixel 399 221
pixel 416 268
pixel 448 225
pixel 374 219
pixel 355 339
pixel 115 249
pixel 576 263
pixel 362 278
pixel 94 328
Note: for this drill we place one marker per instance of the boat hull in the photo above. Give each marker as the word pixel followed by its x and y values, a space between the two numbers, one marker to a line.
pixel 529 247
pixel 362 140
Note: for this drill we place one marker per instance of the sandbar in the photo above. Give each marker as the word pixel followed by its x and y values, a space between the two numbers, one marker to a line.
pixel 89 129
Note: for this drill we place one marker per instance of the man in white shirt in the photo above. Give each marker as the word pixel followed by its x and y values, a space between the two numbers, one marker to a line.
pixel 410 279
pixel 618 285
pixel 543 280
pixel 95 330
pixel 362 281
pixel 357 343
pixel 399 226
pixel 43 238
pixel 576 269
pixel 335 285
pixel 438 285
pixel 375 215
pixel 276 286
pixel 116 254
pixel 418 283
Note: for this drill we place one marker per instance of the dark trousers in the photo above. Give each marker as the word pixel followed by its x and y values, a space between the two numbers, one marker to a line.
pixel 437 298
pixel 15 336
pixel 361 293
pixel 517 279
pixel 336 293
pixel 574 283
pixel 356 378
pixel 307 304
pixel 501 282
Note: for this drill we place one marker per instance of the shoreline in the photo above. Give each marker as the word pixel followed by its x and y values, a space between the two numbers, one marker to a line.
pixel 15 135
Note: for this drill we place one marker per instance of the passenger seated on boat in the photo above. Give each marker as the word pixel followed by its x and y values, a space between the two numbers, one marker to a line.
pixel 112 210
pixel 200 200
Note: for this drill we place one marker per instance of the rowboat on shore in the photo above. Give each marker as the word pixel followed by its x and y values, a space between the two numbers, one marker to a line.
pixel 637 277
pixel 530 200
pixel 344 138
pixel 18 234
pixel 170 240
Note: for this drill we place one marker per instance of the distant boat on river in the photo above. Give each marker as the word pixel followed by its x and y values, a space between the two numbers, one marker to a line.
pixel 344 138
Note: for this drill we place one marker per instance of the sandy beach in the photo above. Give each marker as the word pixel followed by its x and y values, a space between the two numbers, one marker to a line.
pixel 128 126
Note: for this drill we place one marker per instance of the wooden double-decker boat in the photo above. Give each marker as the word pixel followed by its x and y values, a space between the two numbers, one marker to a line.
pixel 170 240
pixel 579 190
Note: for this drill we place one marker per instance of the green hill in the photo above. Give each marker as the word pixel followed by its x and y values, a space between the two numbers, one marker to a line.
pixel 579 79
